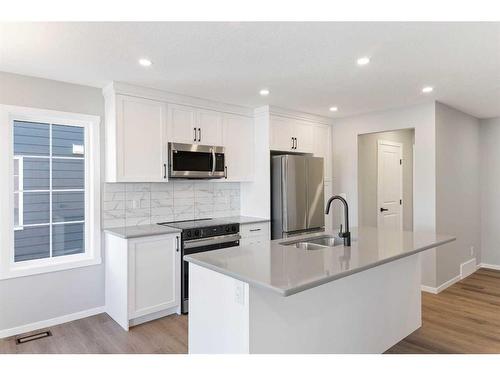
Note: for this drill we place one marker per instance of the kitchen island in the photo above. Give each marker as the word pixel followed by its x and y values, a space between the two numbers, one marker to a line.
pixel 295 296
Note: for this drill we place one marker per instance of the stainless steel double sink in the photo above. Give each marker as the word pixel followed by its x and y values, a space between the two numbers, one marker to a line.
pixel 315 243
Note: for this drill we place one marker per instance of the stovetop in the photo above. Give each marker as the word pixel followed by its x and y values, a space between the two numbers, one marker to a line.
pixel 203 228
pixel 193 224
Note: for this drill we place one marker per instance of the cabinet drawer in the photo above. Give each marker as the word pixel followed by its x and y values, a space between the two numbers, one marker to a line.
pixel 254 240
pixel 255 229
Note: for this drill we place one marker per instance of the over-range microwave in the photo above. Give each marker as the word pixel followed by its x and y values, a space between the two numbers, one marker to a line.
pixel 195 161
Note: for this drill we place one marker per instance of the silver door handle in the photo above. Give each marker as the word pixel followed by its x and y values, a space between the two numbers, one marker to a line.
pixel 199 134
pixel 293 143
pixel 194 139
pixel 213 161
pixel 296 143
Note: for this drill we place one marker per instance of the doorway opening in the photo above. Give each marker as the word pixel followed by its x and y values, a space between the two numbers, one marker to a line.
pixel 385 179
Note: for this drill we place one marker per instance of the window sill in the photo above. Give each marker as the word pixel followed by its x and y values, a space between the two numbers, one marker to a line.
pixel 37 269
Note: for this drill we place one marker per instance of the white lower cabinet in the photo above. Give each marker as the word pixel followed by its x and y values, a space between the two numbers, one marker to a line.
pixel 142 278
pixel 254 233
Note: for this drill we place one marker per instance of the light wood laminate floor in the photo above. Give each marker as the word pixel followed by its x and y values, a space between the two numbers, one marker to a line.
pixel 465 318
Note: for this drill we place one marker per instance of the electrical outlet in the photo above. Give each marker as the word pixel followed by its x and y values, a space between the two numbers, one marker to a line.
pixel 472 251
pixel 239 293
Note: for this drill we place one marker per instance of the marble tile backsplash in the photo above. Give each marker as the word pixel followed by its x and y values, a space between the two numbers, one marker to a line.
pixel 128 204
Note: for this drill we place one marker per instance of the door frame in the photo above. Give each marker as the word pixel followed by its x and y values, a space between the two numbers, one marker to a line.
pixel 380 143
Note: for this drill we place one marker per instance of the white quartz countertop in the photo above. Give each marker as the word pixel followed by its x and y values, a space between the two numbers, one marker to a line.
pixel 286 269
pixel 135 231
pixel 141 231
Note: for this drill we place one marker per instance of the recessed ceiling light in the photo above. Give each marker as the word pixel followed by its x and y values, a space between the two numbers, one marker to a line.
pixel 145 62
pixel 334 109
pixel 427 89
pixel 363 60
pixel 264 92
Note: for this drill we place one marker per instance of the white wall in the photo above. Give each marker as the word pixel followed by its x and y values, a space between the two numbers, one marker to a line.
pixel 489 131
pixel 457 189
pixel 345 165
pixel 368 175
pixel 36 298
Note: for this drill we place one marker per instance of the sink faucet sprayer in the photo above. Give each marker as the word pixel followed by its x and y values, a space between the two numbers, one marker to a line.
pixel 345 235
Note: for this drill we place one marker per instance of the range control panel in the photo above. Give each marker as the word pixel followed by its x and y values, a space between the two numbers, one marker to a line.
pixel 216 230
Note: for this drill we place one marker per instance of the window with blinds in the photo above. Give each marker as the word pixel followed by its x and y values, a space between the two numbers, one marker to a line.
pixel 49 190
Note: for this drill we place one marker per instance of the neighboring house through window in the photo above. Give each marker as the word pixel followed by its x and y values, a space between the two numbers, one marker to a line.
pixel 55 196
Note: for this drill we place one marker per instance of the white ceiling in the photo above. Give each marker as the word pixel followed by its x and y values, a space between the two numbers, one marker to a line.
pixel 307 66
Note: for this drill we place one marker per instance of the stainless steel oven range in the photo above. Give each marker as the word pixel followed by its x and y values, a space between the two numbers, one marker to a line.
pixel 198 236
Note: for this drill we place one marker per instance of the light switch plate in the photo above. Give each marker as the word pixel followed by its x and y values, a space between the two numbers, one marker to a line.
pixel 239 293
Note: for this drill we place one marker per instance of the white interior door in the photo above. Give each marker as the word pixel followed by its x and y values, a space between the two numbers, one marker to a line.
pixel 390 185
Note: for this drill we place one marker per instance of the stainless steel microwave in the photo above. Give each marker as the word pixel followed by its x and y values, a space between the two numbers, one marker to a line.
pixel 195 161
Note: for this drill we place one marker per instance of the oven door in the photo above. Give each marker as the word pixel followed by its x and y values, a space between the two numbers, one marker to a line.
pixel 195 161
pixel 198 246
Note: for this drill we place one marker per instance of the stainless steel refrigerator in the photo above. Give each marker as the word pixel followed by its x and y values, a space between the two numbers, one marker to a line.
pixel 297 195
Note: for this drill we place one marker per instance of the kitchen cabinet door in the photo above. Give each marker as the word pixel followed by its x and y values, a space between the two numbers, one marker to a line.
pixel 154 274
pixel 303 131
pixel 182 124
pixel 282 131
pixel 238 140
pixel 139 130
pixel 322 147
pixel 210 127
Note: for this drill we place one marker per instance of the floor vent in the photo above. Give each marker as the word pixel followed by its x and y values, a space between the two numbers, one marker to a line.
pixel 33 337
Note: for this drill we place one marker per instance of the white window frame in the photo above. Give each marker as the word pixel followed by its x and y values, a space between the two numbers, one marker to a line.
pixel 20 194
pixel 92 254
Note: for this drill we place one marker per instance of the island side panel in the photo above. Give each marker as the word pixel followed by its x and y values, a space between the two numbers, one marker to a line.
pixel 367 312
pixel 218 313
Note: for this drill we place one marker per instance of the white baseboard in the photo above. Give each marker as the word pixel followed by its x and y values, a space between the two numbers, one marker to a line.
pixel 468 268
pixel 489 266
pixel 439 289
pixel 50 322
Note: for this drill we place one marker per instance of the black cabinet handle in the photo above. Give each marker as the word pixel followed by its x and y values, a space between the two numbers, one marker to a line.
pixel 199 134
pixel 382 209
pixel 194 139
pixel 296 143
pixel 165 171
pixel 293 143
pixel 177 243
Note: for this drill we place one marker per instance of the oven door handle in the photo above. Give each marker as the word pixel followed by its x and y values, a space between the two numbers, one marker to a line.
pixel 211 241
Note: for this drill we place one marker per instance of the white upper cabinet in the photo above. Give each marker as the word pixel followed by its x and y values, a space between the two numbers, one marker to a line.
pixel 303 136
pixel 322 147
pixel 193 125
pixel 182 124
pixel 209 127
pixel 291 135
pixel 238 140
pixel 282 134
pixel 135 139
